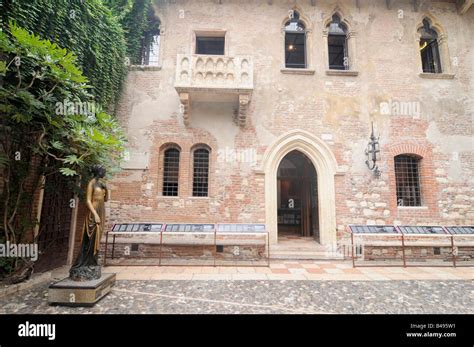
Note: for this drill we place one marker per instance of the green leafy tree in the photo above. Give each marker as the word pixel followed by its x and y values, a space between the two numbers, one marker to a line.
pixel 86 27
pixel 49 123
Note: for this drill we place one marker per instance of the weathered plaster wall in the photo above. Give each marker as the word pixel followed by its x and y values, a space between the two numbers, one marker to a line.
pixel 338 109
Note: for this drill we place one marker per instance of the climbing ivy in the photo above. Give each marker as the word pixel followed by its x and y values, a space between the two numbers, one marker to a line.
pixel 136 22
pixel 86 27
pixel 49 124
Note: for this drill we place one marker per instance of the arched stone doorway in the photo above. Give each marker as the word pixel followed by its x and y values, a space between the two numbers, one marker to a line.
pixel 297 198
pixel 325 165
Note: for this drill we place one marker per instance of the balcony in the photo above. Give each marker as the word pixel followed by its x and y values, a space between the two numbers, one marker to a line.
pixel 214 78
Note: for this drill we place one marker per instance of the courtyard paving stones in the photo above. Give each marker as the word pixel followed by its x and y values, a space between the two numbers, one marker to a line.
pixel 285 287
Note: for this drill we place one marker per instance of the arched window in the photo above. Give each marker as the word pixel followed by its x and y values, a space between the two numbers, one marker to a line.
pixel 171 172
pixel 201 172
pixel 407 176
pixel 151 42
pixel 429 48
pixel 337 44
pixel 295 42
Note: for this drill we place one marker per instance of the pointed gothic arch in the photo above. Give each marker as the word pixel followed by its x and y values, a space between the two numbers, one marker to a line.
pixel 349 61
pixel 428 21
pixel 301 35
pixel 326 167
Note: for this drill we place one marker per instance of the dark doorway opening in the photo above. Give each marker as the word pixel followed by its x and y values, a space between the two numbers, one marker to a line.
pixel 53 240
pixel 297 191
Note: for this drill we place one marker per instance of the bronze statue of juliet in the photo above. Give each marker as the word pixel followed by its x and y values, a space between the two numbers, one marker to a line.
pixel 86 267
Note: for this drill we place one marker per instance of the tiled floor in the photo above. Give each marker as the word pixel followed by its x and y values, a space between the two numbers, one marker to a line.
pixel 292 270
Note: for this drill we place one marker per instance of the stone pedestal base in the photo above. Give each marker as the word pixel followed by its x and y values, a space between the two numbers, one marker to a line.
pixel 86 293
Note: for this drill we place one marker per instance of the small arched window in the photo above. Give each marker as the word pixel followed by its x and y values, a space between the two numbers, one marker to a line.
pixel 151 42
pixel 201 172
pixel 407 176
pixel 337 44
pixel 429 48
pixel 295 42
pixel 171 172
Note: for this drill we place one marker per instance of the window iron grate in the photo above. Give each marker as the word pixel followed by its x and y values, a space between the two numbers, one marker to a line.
pixel 201 172
pixel 171 172
pixel 407 180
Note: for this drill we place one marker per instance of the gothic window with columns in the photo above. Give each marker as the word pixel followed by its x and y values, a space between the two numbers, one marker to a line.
pixel 429 48
pixel 337 44
pixel 295 42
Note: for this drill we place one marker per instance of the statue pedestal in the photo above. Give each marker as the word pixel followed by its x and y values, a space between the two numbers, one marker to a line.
pixel 86 293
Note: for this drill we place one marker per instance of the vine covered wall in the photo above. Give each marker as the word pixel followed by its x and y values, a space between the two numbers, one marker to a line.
pixel 86 27
pixel 137 19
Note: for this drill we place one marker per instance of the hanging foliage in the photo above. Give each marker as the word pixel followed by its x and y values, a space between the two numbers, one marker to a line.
pixel 50 124
pixel 137 19
pixel 135 24
pixel 86 27
pixel 57 57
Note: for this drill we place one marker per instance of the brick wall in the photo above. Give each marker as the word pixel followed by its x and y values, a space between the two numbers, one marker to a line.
pixel 388 65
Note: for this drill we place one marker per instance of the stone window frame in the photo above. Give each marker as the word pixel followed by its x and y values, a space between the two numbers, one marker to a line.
pixel 351 45
pixel 446 68
pixel 161 168
pixel 195 147
pixel 309 69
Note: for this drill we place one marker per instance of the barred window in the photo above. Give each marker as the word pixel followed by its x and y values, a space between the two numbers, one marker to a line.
pixel 407 180
pixel 171 172
pixel 200 172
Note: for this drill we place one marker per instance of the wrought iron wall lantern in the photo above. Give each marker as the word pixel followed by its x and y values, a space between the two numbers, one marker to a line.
pixel 373 153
